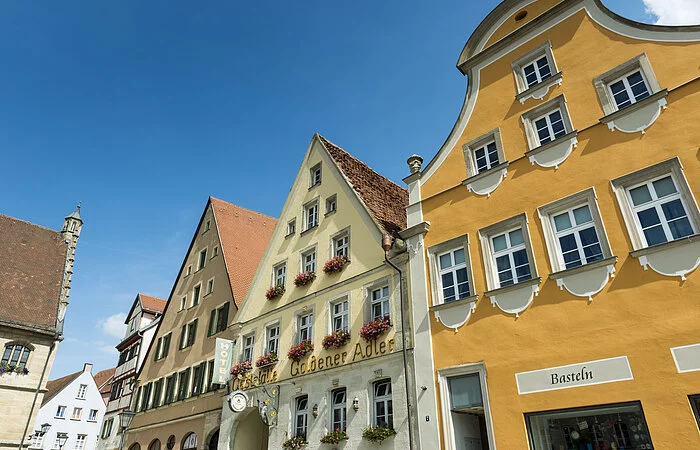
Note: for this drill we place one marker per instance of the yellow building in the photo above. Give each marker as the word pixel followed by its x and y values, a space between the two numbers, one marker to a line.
pixel 558 235
pixel 323 277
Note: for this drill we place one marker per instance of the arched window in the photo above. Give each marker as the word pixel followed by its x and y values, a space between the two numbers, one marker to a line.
pixel 154 445
pixel 15 354
pixel 214 441
pixel 135 446
pixel 190 442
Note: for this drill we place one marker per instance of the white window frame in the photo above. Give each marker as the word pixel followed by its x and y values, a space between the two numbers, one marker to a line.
pixel 248 343
pixel 628 88
pixel 196 298
pixel 460 242
pixel 269 338
pixel 345 234
pixel 341 406
pixel 471 147
pixel 622 184
pixel 452 269
pixel 549 211
pixel 544 110
pixel 518 66
pixel 62 410
pixel 307 328
pixel 82 391
pixel 315 175
pixel 505 226
pixel 279 272
pixel 331 204
pixel 210 286
pixel 302 414
pixel 37 440
pixel 340 309
pixel 79 411
pixel 291 227
pixel 80 441
pixel 92 417
pixel 313 265
pixel 602 82
pixel 385 399
pixel 385 301
pixel 443 381
pixel 183 302
pixel 308 208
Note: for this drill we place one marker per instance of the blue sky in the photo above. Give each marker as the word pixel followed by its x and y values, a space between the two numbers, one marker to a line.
pixel 141 110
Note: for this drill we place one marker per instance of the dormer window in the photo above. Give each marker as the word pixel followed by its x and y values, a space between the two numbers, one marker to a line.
pixel 315 175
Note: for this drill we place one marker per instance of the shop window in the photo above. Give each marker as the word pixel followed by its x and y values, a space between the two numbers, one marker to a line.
pixel 383 404
pixel 619 426
pixel 339 410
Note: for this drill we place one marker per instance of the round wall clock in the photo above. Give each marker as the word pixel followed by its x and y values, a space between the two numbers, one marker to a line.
pixel 238 401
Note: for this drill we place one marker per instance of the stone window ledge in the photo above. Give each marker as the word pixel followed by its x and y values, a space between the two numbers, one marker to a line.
pixel 484 183
pixel 539 90
pixel 515 298
pixel 308 230
pixel 455 314
pixel 638 116
pixel 554 152
pixel 588 279
pixel 460 302
pixel 674 259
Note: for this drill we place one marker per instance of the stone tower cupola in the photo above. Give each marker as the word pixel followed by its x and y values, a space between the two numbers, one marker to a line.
pixel 72 225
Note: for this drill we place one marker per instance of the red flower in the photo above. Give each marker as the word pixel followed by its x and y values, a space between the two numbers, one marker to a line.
pixel 371 331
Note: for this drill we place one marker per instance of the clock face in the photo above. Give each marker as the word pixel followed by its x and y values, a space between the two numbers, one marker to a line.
pixel 238 401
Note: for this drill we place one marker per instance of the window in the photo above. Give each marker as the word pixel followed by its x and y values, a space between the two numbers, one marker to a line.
pixel 695 404
pixel 146 396
pixel 331 204
pixel 454 281
pixel 549 127
pixel 507 252
pixel 16 354
pixel 273 339
pixel 92 417
pixel 133 351
pixel 163 346
pixel 80 442
pixel 183 384
pixel 188 333
pixel 626 84
pixel 210 286
pixel 484 153
pixel 116 390
pixel 215 252
pixel 339 412
pixel 383 408
pixel 183 303
pixel 308 261
pixel 610 426
pixel 305 327
pixel 280 274
pixel 207 225
pixel 315 175
pixel 218 319
pixel 657 204
pixel 301 412
pixel 534 67
pixel 210 376
pixel 82 389
pixel 170 389
pixel 311 215
pixel 537 71
pixel 486 157
pixel 190 442
pixel 189 270
pixel 198 379
pixel 547 122
pixel 61 412
pixel 291 227
pixel 196 291
pixel 379 305
pixel 37 440
pixel 339 316
pixel 107 428
pixel 341 245
pixel 248 347
pixel 77 414
pixel 202 259
pixel 158 392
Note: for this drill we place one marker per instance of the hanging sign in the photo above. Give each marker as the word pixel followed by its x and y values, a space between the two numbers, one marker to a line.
pixel 222 361
pixel 574 375
pixel 687 358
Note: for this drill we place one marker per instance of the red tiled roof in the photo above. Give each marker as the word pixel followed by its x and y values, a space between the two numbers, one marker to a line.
pixel 53 387
pixel 385 200
pixel 152 304
pixel 244 235
pixel 103 379
pixel 32 260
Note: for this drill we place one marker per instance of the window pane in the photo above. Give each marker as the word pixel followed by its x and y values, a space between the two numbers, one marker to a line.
pixel 655 235
pixel 567 243
pixel 664 187
pixel 582 215
pixel 648 217
pixel 673 209
pixel 503 263
pixel 499 243
pixel 465 391
pixel 520 258
pixel 593 253
pixel 640 195
pixel 459 256
pixel 588 236
pixel 516 237
pixel 680 228
pixel 572 259
pixel 445 261
pixel 562 221
pixel 543 66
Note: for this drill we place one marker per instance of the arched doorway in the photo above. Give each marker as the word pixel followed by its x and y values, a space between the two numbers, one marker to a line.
pixel 214 441
pixel 251 432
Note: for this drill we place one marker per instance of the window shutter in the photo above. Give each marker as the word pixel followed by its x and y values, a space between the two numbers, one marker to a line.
pixel 183 333
pixel 193 332
pixel 223 318
pixel 159 346
pixel 166 345
pixel 212 322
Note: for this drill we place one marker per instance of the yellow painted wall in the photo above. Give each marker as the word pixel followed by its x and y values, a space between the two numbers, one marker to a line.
pixel 639 313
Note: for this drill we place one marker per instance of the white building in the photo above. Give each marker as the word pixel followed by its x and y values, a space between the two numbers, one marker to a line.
pixel 142 321
pixel 73 405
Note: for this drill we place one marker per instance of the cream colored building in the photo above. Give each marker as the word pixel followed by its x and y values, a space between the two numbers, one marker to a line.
pixel 337 206
pixel 176 401
pixel 36 264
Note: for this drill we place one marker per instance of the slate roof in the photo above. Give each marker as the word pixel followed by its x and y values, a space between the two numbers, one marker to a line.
pixel 385 200
pixel 53 387
pixel 244 235
pixel 32 260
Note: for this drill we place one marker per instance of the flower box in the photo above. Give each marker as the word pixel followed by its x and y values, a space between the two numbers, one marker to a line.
pixel 266 360
pixel 274 292
pixel 371 331
pixel 298 351
pixel 295 443
pixel 241 368
pixel 336 339
pixel 334 437
pixel 304 278
pixel 13 368
pixel 336 264
pixel 378 433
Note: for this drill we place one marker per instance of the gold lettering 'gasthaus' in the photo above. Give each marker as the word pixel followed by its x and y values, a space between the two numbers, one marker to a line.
pixel 361 351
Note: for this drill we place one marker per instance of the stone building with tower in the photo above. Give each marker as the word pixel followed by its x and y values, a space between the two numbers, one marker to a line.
pixel 36 266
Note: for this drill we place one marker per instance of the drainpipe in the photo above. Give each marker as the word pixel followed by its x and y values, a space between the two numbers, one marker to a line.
pixel 36 394
pixel 387 243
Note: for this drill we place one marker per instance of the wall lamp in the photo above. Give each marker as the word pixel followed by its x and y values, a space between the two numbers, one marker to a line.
pixel 314 410
pixel 356 403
